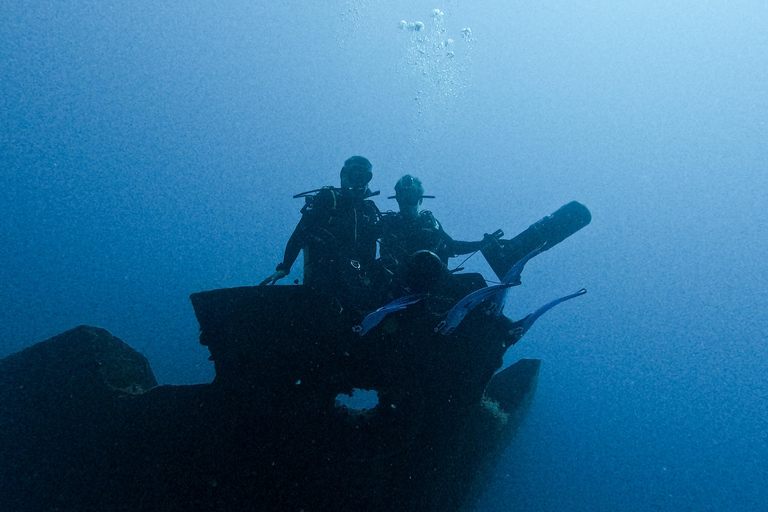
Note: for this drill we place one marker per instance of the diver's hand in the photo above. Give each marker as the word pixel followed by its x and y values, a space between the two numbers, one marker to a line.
pixel 487 241
pixel 274 278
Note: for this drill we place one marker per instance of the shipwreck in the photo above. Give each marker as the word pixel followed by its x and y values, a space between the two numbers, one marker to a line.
pixel 85 427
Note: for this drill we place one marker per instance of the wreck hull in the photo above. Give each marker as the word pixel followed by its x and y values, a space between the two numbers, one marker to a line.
pixel 267 434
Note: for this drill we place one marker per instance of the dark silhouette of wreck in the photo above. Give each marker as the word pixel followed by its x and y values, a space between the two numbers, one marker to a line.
pixel 86 428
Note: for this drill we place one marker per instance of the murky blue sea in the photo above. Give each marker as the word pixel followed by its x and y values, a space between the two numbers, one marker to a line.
pixel 150 149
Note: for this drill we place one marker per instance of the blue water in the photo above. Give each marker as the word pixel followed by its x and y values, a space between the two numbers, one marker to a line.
pixel 150 150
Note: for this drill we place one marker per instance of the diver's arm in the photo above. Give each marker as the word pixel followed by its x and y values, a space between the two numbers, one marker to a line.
pixel 457 247
pixel 292 249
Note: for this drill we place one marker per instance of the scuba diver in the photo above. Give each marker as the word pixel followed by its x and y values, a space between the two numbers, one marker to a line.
pixel 410 231
pixel 337 232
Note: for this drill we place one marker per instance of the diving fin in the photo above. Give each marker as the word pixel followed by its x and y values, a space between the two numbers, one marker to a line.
pixel 372 319
pixel 522 326
pixel 470 302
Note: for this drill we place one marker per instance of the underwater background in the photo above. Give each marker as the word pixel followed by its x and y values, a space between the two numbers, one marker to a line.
pixel 149 150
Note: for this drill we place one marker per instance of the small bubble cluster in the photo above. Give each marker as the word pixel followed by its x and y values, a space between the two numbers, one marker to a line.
pixel 416 26
pixel 439 64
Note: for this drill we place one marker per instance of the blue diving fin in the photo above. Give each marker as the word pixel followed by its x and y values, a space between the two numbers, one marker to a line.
pixel 467 304
pixel 372 319
pixel 521 326
pixel 496 293
pixel 512 277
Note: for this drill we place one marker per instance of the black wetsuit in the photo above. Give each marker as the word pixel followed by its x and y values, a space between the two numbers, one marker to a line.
pixel 402 236
pixel 338 235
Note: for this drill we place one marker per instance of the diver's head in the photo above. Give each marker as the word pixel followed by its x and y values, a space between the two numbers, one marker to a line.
pixel 355 176
pixel 408 191
pixel 423 271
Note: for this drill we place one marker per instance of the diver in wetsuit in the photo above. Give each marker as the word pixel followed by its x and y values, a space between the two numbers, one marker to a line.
pixel 408 231
pixel 337 232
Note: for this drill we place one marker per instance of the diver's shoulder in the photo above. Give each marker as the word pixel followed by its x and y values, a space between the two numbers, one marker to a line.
pixel 427 217
pixel 324 198
pixel 370 205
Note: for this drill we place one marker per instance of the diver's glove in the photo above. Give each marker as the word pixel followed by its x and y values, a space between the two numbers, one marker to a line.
pixel 489 237
pixel 280 272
